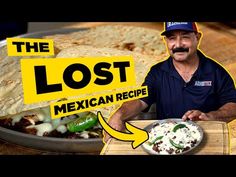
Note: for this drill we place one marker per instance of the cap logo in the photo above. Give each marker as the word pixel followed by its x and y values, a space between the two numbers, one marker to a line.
pixel 169 24
pixel 187 26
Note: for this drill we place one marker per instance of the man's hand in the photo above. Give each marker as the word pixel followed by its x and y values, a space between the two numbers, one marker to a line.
pixel 196 115
pixel 126 112
pixel 117 124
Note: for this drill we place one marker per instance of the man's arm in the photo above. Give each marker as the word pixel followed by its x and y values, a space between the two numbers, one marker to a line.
pixel 126 112
pixel 226 113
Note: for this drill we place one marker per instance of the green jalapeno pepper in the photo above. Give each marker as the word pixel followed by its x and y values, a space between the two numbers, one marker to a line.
pixel 175 144
pixel 83 123
pixel 178 126
pixel 153 142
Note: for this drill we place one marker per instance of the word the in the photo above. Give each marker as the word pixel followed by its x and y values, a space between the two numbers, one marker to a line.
pixel 29 47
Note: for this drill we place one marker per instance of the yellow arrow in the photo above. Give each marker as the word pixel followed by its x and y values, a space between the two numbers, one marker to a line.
pixel 137 135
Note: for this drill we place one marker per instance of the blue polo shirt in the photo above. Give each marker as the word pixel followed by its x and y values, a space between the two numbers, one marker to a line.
pixel 209 88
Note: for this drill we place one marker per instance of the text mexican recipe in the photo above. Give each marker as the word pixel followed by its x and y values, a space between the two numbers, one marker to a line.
pixel 69 107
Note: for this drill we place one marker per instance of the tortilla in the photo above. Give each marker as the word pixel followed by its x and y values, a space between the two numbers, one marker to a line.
pixel 11 92
pixel 130 38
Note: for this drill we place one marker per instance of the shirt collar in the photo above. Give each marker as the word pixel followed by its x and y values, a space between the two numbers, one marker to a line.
pixel 204 67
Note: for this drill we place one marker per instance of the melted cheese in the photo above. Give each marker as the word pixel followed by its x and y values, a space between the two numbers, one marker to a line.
pixel 62 129
pixel 42 128
pixel 84 135
pixel 16 118
pixel 43 114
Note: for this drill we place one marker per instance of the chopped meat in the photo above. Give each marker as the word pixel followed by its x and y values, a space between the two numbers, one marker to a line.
pixel 177 151
pixel 156 148
pixel 55 133
pixel 22 124
pixel 170 151
pixel 74 136
pixel 32 131
pixel 193 142
pixel 6 123
pixel 186 148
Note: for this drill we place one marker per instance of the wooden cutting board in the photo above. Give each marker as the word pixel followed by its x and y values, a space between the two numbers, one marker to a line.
pixel 232 137
pixel 215 141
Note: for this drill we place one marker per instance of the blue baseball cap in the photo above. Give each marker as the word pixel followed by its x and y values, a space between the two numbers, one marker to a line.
pixel 186 26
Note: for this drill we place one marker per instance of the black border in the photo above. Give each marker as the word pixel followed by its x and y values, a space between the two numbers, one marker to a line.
pixel 194 162
pixel 118 11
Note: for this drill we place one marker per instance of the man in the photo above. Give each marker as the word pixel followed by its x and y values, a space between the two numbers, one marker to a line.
pixel 187 84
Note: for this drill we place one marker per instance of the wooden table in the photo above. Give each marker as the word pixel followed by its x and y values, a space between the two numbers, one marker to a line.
pixel 215 141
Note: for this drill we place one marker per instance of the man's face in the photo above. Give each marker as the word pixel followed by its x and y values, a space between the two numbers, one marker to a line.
pixel 182 45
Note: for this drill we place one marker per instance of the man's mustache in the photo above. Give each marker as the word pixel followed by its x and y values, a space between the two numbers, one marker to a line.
pixel 180 49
